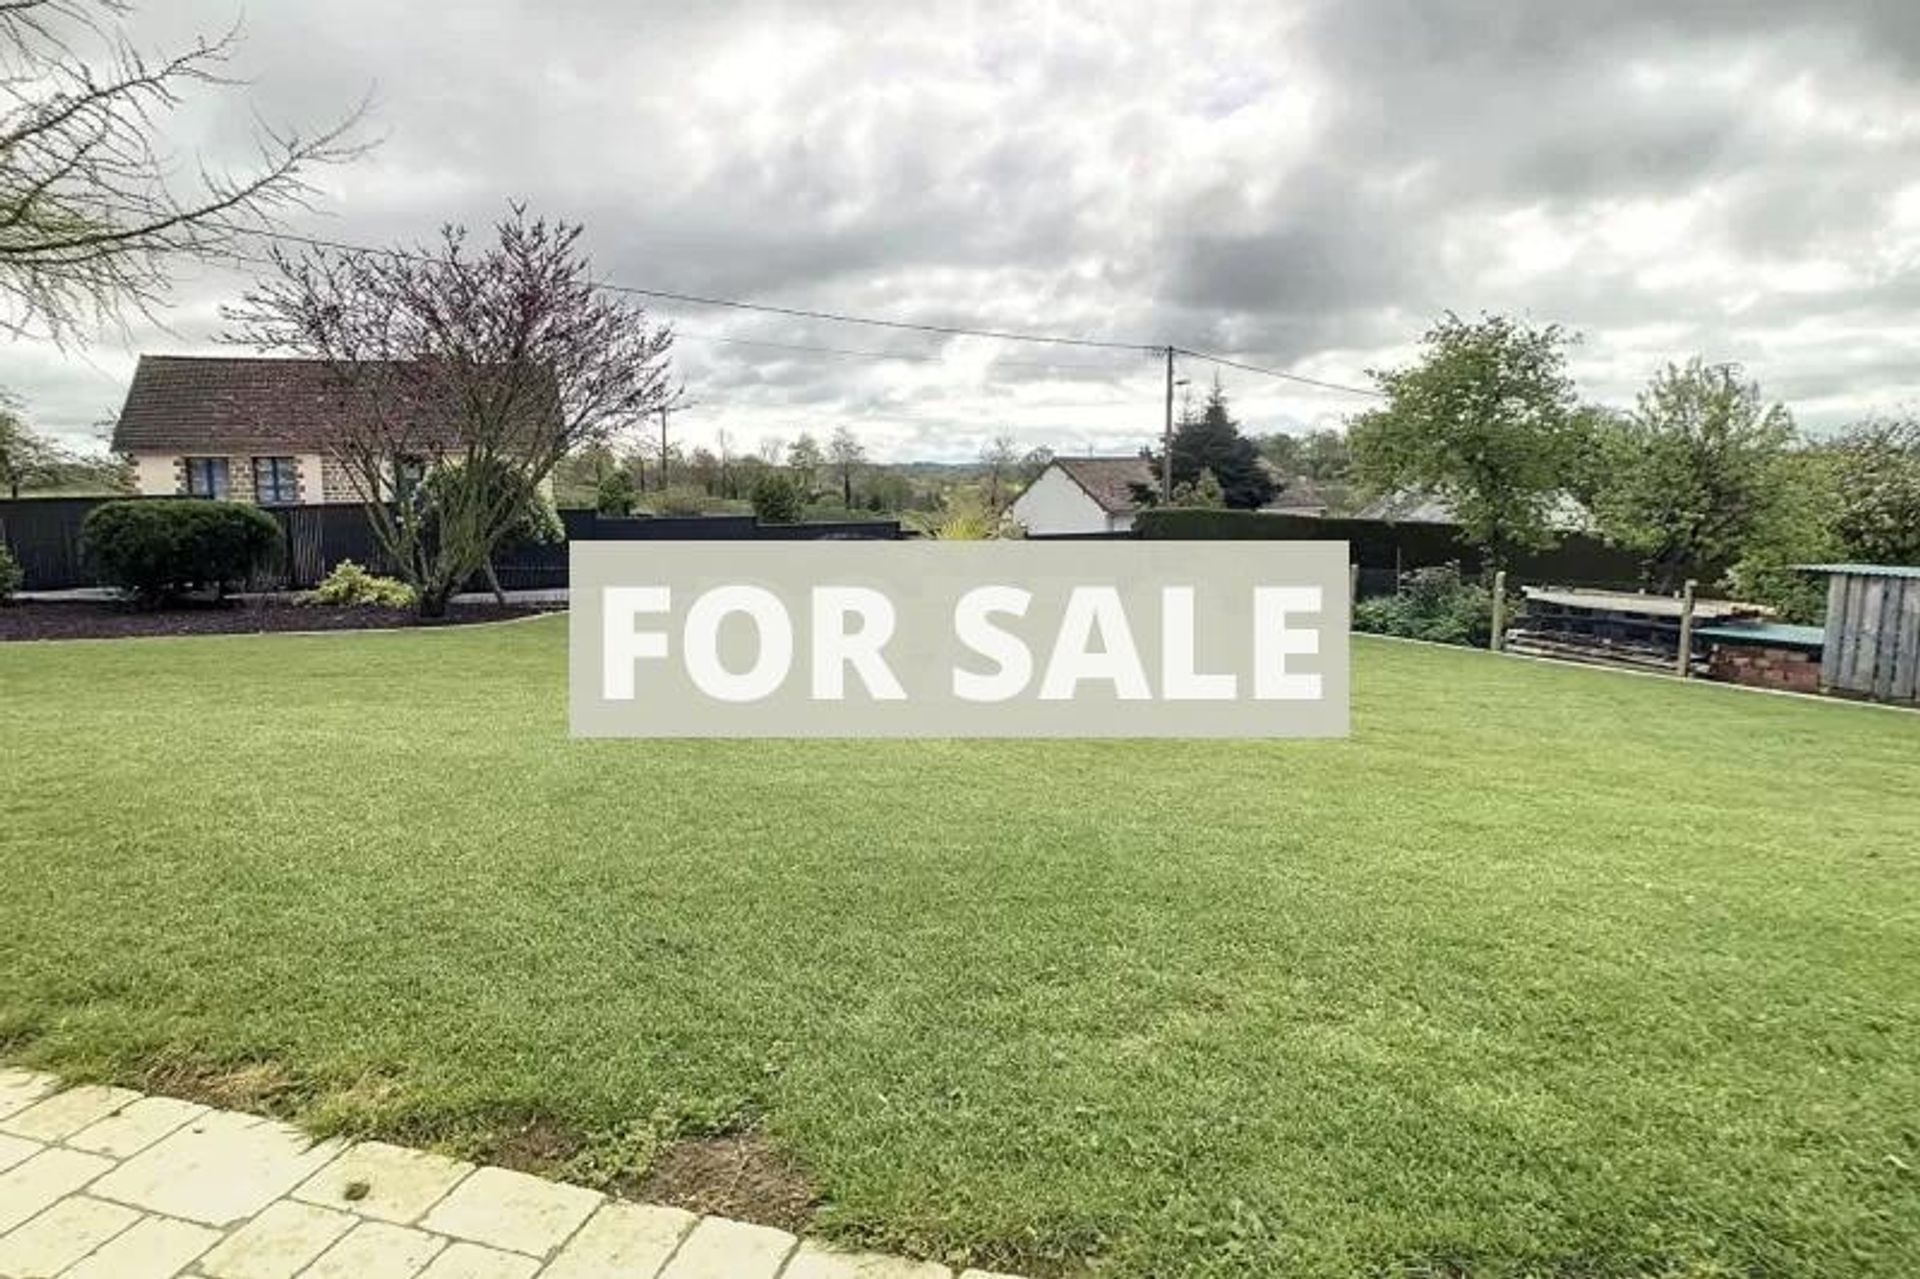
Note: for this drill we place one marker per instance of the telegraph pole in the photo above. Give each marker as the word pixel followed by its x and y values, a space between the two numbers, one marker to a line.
pixel 678 407
pixel 1166 440
pixel 663 448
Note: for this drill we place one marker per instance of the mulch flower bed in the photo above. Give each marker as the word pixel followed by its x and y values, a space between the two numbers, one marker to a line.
pixel 96 619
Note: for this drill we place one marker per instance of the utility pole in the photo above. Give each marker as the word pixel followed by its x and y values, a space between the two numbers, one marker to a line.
pixel 663 448
pixel 1166 440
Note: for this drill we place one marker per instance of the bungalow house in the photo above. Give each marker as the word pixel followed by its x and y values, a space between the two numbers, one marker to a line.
pixel 1095 495
pixel 248 429
pixel 1083 495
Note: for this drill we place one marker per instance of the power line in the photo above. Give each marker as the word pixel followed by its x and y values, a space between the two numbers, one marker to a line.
pixel 836 317
pixel 1276 373
pixel 914 357
pixel 695 299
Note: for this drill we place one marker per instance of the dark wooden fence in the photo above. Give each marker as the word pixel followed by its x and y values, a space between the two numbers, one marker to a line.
pixel 1385 550
pixel 44 535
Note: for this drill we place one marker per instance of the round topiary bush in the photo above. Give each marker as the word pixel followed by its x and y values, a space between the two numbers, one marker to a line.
pixel 159 550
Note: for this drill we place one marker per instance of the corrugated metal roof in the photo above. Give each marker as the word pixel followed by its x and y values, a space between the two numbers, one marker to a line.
pixel 1642 605
pixel 1768 634
pixel 1863 570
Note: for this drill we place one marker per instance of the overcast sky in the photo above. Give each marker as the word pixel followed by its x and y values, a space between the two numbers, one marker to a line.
pixel 1302 185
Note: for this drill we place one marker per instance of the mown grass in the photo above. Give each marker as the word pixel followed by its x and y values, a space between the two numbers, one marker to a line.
pixel 1544 972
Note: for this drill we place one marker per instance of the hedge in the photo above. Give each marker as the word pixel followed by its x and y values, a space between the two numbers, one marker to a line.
pixel 160 550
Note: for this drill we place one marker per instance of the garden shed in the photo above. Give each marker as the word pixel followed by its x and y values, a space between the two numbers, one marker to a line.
pixel 1873 631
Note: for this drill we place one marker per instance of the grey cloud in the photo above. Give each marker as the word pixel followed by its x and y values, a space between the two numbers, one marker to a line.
pixel 1307 182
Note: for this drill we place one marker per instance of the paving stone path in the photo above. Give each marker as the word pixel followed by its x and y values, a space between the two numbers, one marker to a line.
pixel 106 1183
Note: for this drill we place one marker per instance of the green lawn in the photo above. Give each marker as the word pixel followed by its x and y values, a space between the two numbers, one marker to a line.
pixel 1544 972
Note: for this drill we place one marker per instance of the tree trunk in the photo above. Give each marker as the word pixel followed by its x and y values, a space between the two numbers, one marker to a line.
pixel 432 602
pixel 493 580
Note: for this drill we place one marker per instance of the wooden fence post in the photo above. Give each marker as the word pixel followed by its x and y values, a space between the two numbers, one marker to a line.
pixel 1498 640
pixel 1685 659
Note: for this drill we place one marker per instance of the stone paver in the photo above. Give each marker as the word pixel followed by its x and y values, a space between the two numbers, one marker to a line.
pixel 471 1261
pixel 16 1150
pixel 62 1235
pixel 21 1088
pixel 44 1179
pixel 65 1113
pixel 817 1261
pixel 217 1170
pixel 278 1243
pixel 722 1249
pixel 135 1126
pixel 376 1250
pixel 623 1241
pixel 154 1248
pixel 512 1210
pixel 119 1186
pixel 391 1183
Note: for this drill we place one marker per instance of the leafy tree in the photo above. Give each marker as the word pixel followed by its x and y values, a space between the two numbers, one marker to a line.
pixel 1282 450
pixel 1325 456
pixel 26 456
pixel 1689 478
pixel 94 207
pixel 847 455
pixel 1209 442
pixel 706 468
pixel 1033 462
pixel 499 362
pixel 777 498
pixel 615 494
pixel 1877 491
pixel 1800 529
pixel 1205 492
pixel 533 521
pixel 805 460
pixel 1484 420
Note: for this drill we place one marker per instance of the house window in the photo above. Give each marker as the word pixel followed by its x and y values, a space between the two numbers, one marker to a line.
pixel 407 474
pixel 276 481
pixel 207 477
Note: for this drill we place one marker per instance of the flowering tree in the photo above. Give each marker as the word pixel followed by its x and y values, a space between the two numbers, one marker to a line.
pixel 484 368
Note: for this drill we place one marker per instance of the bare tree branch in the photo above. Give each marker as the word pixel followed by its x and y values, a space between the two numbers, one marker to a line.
pixel 92 214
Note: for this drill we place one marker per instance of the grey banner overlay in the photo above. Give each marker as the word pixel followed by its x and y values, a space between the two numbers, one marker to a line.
pixel 784 639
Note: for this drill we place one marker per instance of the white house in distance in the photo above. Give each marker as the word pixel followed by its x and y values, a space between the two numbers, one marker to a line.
pixel 1082 495
pixel 1095 495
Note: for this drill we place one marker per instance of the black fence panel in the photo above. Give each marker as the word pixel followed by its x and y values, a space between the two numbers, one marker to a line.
pixel 1384 549
pixel 44 535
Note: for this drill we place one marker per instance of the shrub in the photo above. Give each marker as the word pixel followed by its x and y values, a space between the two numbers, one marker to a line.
pixel 1434 604
pixel 776 499
pixel 681 501
pixel 351 586
pixel 160 550
pixel 11 574
pixel 615 495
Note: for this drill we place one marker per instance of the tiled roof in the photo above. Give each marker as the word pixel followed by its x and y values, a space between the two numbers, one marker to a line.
pixel 219 403
pixel 1109 481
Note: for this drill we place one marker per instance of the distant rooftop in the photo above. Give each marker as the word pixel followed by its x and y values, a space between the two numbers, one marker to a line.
pixel 1862 570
